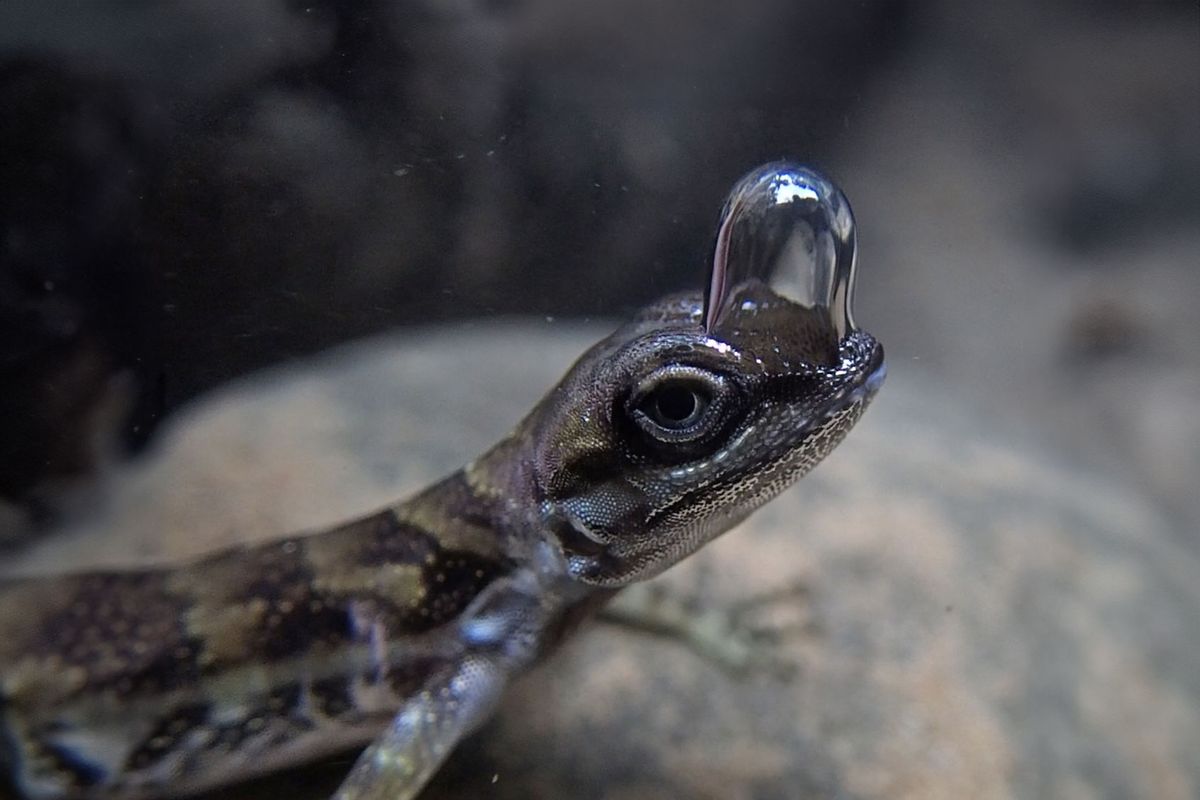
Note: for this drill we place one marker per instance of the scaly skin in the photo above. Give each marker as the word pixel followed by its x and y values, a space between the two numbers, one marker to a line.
pixel 160 682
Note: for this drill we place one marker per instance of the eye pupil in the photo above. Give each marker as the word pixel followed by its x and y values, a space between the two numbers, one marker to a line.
pixel 676 404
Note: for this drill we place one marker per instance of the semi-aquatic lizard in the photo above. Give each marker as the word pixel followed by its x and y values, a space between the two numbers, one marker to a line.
pixel 402 628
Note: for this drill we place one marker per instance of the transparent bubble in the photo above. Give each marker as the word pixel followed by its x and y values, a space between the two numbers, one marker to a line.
pixel 791 228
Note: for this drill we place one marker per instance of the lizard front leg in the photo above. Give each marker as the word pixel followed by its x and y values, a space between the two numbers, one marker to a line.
pixel 449 705
pixel 501 633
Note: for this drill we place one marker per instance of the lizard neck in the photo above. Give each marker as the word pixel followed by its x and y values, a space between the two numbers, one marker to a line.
pixel 494 507
pixel 506 498
pixel 498 490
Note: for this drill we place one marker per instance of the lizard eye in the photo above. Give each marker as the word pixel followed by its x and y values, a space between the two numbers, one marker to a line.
pixel 679 404
pixel 676 405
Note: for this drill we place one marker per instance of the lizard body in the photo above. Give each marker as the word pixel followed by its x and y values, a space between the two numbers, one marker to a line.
pixel 161 682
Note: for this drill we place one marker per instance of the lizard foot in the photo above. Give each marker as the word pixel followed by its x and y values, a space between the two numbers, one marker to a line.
pixel 747 637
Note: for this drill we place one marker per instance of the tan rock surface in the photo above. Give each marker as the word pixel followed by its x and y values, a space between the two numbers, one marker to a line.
pixel 983 622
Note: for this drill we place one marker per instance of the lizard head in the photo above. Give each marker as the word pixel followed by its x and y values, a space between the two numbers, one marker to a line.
pixel 663 436
pixel 701 409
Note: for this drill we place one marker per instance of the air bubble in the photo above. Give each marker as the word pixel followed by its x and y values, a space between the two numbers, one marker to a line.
pixel 788 227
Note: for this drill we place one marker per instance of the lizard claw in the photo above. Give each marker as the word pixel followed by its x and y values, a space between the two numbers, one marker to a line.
pixel 745 638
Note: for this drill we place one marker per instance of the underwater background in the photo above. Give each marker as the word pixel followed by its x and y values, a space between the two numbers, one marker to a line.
pixel 400 209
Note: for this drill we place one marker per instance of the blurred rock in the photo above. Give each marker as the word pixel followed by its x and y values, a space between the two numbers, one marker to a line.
pixel 259 181
pixel 1027 173
pixel 986 621
pixel 314 172
pixel 73 161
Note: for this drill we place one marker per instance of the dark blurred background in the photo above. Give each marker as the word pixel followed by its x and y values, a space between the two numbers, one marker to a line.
pixel 193 190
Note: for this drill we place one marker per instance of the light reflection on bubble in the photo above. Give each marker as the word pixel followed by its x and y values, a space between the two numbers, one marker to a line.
pixel 791 228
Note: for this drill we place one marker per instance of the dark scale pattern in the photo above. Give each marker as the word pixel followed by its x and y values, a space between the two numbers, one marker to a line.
pixel 452 578
pixel 176 667
pixel 295 615
pixel 229 736
pixel 76 772
pixel 283 700
pixel 385 539
pixel 167 734
pixel 125 629
pixel 332 696
pixel 257 723
pixel 293 627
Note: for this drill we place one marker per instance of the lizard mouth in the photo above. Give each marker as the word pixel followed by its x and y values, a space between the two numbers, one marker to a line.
pixel 850 384
pixel 873 371
pixel 874 379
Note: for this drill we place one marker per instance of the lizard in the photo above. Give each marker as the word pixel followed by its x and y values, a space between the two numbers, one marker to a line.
pixel 400 630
